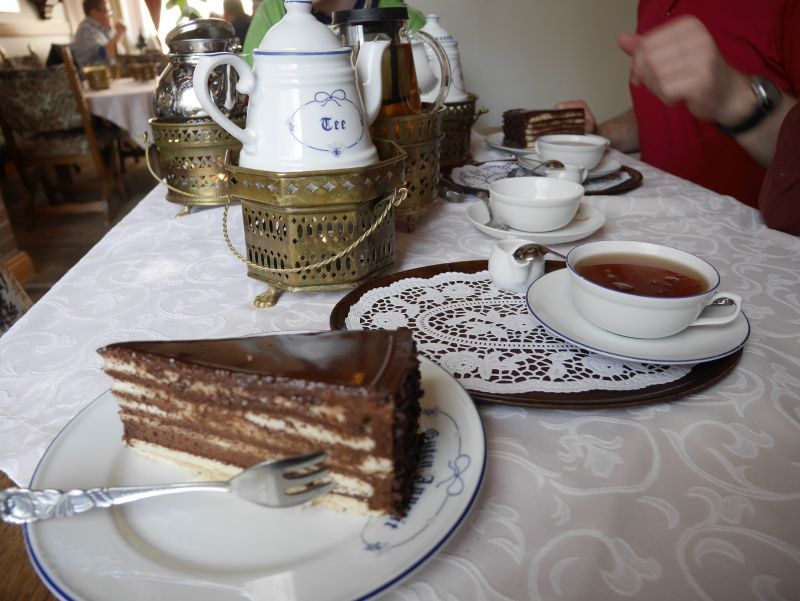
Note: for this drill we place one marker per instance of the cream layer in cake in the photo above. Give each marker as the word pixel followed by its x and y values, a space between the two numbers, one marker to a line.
pixel 216 407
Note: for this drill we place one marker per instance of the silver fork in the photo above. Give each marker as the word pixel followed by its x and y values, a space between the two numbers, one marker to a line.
pixel 278 483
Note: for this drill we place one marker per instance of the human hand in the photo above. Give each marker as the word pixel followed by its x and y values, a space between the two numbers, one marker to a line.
pixel 590 123
pixel 120 28
pixel 679 62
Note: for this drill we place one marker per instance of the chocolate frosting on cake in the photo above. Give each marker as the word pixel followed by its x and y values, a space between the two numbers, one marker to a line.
pixel 332 357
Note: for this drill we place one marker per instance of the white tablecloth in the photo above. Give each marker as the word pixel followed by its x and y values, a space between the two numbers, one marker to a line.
pixel 695 499
pixel 128 104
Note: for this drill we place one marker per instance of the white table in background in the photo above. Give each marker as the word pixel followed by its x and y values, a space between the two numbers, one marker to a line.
pixel 127 103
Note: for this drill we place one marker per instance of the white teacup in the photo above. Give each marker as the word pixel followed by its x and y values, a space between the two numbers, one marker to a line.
pixel 571 173
pixel 535 204
pixel 634 315
pixel 508 273
pixel 571 149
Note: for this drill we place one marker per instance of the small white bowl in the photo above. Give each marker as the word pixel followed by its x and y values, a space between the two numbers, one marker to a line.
pixel 571 149
pixel 638 316
pixel 535 204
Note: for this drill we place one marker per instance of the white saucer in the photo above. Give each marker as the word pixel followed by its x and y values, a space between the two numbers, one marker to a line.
pixel 495 140
pixel 587 221
pixel 550 301
pixel 606 166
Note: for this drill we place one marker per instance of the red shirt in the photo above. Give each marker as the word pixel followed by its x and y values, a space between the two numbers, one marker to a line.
pixel 761 38
pixel 779 201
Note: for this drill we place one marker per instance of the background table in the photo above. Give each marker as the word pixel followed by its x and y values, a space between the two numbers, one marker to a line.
pixel 695 499
pixel 128 104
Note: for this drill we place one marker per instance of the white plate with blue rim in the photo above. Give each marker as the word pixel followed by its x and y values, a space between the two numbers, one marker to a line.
pixel 207 547
pixel 550 301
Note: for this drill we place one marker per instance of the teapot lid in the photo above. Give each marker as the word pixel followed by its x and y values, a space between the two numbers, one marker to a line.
pixel 299 31
pixel 437 31
pixel 201 29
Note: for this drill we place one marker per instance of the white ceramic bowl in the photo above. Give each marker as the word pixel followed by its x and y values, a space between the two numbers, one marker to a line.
pixel 645 316
pixel 571 149
pixel 535 204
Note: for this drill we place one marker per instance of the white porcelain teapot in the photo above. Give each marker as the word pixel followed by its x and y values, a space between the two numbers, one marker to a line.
pixel 427 69
pixel 307 110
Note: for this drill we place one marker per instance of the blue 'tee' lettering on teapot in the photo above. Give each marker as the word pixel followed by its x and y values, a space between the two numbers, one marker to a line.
pixel 308 110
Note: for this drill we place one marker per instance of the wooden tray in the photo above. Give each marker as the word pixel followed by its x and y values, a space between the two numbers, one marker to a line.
pixel 700 376
pixel 629 184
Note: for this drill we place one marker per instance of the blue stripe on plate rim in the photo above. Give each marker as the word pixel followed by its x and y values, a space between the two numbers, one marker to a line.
pixel 54 588
pixel 600 351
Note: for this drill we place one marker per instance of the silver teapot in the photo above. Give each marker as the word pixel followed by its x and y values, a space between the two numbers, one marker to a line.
pixel 175 98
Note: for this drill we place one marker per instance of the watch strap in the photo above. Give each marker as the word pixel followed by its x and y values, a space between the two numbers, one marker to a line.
pixel 767 99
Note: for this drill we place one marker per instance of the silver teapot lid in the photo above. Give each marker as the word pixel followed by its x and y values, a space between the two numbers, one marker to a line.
pixel 195 35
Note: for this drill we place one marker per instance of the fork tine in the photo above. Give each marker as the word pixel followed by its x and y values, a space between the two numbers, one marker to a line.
pixel 289 499
pixel 300 462
pixel 304 479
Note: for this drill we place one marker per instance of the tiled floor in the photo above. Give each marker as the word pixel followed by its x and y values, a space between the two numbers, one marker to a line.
pixel 56 243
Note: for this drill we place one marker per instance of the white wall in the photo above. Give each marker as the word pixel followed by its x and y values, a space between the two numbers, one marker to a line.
pixel 533 53
pixel 18 30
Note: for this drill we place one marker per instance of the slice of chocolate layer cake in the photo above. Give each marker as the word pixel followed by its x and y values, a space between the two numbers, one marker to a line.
pixel 218 406
pixel 521 127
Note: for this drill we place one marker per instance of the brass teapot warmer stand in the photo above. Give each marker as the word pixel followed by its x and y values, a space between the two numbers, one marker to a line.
pixel 318 230
pixel 420 136
pixel 191 156
pixel 457 125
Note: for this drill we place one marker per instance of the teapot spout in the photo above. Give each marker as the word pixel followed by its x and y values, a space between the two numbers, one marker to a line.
pixel 368 69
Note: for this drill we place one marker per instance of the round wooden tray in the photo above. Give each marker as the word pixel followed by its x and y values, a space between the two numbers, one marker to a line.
pixel 629 184
pixel 700 376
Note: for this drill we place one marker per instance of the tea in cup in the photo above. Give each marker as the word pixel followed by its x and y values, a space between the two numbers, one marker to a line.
pixel 510 274
pixel 646 290
pixel 571 149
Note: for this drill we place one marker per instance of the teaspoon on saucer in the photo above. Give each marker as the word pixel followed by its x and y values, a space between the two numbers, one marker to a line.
pixel 493 222
pixel 529 252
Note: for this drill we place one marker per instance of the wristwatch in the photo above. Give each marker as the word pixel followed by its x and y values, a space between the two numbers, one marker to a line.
pixel 768 97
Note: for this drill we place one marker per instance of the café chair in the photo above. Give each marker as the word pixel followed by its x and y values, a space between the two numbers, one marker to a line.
pixel 12 63
pixel 47 126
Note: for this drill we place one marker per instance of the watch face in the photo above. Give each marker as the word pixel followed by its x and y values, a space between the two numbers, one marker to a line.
pixel 769 96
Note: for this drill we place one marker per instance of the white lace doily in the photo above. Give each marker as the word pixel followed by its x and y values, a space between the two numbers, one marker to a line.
pixel 490 342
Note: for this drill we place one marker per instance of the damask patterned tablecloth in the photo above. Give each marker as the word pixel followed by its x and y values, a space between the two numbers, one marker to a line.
pixel 695 499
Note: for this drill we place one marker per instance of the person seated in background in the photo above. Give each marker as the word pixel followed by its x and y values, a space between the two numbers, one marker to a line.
pixel 272 11
pixel 95 42
pixel 711 82
pixel 233 13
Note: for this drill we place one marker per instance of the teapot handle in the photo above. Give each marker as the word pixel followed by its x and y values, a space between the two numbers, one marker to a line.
pixel 444 63
pixel 245 85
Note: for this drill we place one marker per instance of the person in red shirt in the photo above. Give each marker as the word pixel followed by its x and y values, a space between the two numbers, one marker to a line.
pixel 779 199
pixel 711 82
